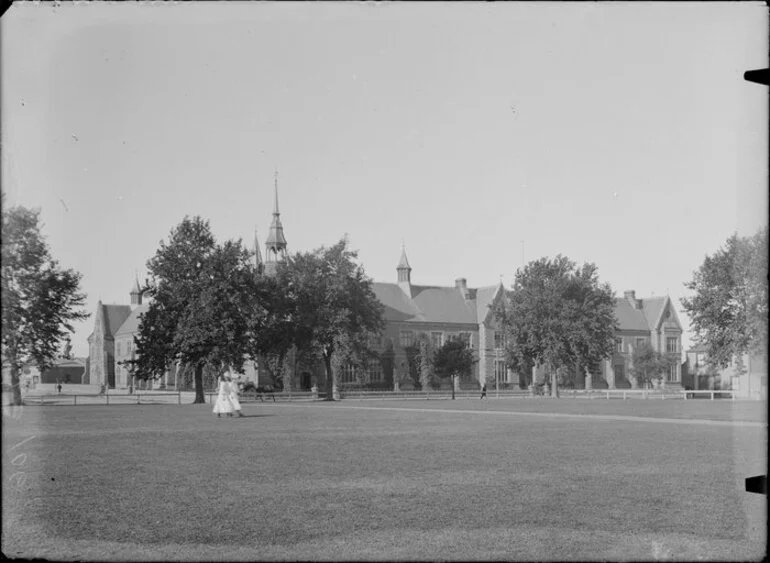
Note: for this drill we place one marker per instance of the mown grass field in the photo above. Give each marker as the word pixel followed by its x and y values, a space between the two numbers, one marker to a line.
pixel 466 479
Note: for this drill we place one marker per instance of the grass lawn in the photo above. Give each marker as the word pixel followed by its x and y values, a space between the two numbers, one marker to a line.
pixel 462 479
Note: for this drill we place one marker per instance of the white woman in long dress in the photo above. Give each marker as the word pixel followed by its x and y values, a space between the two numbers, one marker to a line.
pixel 233 390
pixel 223 405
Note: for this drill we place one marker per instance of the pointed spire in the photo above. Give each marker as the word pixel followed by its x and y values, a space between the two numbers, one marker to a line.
pixel 137 288
pixel 275 201
pixel 275 245
pixel 403 262
pixel 257 253
pixel 136 292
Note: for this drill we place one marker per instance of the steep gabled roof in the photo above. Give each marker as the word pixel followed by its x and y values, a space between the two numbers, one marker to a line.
pixel 443 304
pixel 131 324
pixel 485 296
pixel 628 317
pixel 398 307
pixel 653 308
pixel 114 317
pixel 430 303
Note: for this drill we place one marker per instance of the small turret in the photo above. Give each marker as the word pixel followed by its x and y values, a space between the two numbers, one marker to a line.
pixel 136 293
pixel 404 271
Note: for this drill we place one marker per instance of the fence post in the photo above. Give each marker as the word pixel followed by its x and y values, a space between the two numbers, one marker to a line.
pixel 138 398
pixel 107 396
pixel 179 397
pixel 75 397
pixel 624 395
pixel 608 395
pixel 712 395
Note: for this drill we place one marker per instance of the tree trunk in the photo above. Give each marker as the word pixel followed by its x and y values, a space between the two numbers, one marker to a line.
pixel 554 386
pixel 16 384
pixel 199 397
pixel 329 378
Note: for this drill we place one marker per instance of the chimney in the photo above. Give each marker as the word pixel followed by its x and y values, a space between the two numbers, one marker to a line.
pixel 462 285
pixel 630 296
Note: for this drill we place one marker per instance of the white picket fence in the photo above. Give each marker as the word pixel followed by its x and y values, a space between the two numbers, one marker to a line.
pixel 186 397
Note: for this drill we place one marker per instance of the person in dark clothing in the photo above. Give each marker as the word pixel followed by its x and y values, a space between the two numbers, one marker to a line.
pixel 483 391
pixel 59 387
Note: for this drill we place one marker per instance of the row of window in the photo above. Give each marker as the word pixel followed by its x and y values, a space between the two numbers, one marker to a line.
pixel 672 344
pixel 372 373
pixel 409 338
pixel 128 347
pixel 672 375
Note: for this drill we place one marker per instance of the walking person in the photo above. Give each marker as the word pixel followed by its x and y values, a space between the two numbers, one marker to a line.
pixel 223 404
pixel 233 395
pixel 483 391
pixel 59 388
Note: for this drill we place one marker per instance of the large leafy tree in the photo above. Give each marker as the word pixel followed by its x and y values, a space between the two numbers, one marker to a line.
pixel 558 315
pixel 452 360
pixel 336 311
pixel 204 300
pixel 40 300
pixel 648 365
pixel 729 307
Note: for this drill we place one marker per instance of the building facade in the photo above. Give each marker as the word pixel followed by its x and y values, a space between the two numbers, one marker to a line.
pixel 747 377
pixel 412 312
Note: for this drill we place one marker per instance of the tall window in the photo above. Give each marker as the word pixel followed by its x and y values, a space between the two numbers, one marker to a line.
pixel 671 344
pixel 640 342
pixel 437 339
pixel 348 373
pixel 406 338
pixel 501 372
pixel 375 371
pixel 467 338
pixel 498 339
pixel 619 345
pixel 672 373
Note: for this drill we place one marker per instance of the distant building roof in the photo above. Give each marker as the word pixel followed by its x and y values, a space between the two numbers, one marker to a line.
pixel 628 317
pixel 114 317
pixel 131 324
pixel 434 304
pixel 652 308
pixel 484 298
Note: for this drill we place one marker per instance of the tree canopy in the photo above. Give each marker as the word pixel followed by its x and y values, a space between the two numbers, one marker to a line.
pixel 648 365
pixel 559 315
pixel 729 307
pixel 453 359
pixel 205 299
pixel 40 299
pixel 335 309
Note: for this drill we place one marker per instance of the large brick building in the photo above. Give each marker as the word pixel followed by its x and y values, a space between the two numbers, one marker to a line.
pixel 411 312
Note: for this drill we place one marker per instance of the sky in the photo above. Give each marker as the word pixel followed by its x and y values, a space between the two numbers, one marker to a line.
pixel 480 135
